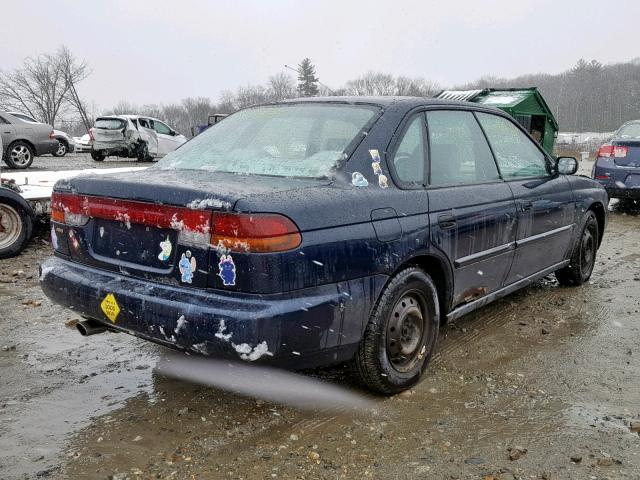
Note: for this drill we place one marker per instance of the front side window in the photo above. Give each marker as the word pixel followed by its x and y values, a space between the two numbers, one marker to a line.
pixel 408 159
pixel 516 154
pixel 161 128
pixel 458 151
pixel 143 122
pixel 286 140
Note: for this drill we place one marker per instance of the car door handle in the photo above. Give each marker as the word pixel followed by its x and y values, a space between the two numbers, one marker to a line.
pixel 526 205
pixel 446 221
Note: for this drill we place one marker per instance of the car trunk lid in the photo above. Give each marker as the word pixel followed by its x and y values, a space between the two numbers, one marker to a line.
pixel 627 153
pixel 154 224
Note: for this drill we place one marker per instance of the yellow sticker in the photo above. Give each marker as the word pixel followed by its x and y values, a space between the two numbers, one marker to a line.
pixel 110 307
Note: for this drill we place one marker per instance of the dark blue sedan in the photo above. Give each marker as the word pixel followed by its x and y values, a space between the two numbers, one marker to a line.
pixel 617 165
pixel 324 230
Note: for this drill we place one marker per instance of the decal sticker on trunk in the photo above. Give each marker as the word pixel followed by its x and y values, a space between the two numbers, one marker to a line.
pixel 166 248
pixel 75 244
pixel 187 266
pixel 227 270
pixel 358 180
pixel 54 238
pixel 110 307
pixel 382 181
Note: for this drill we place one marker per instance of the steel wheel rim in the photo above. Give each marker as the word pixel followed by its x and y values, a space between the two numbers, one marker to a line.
pixel 406 330
pixel 20 155
pixel 588 250
pixel 10 226
pixel 62 149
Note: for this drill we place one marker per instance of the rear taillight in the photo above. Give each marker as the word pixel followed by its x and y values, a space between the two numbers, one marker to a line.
pixel 51 136
pixel 616 151
pixel 70 209
pixel 260 232
pixel 91 134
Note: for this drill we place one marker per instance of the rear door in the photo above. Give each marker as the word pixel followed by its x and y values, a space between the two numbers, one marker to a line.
pixel 544 200
pixel 149 135
pixel 472 212
pixel 167 142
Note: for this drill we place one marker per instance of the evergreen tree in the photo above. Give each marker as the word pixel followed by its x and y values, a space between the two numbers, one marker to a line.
pixel 307 80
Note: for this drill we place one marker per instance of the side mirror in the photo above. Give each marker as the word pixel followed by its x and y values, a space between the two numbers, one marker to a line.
pixel 567 165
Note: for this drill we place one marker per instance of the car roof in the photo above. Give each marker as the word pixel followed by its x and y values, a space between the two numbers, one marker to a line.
pixel 382 101
pixel 130 117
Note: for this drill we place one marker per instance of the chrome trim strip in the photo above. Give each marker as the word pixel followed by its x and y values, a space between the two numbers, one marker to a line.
pixel 503 292
pixel 462 261
pixel 540 236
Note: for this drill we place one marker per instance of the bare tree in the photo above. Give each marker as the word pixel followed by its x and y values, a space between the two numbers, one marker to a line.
pixel 41 87
pixel 281 86
pixel 372 83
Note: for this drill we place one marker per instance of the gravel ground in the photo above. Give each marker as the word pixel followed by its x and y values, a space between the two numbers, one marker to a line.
pixel 543 384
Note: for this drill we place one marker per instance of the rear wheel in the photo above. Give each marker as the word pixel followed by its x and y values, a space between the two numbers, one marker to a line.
pixel 583 258
pixel 19 155
pixel 97 155
pixel 143 153
pixel 63 148
pixel 401 335
pixel 15 228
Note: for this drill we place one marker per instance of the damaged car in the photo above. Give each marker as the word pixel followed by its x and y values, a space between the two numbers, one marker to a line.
pixel 132 136
pixel 317 231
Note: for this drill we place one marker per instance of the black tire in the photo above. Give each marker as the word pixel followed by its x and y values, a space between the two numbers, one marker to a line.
pixel 16 228
pixel 401 335
pixel 142 153
pixel 19 155
pixel 97 155
pixel 583 257
pixel 63 148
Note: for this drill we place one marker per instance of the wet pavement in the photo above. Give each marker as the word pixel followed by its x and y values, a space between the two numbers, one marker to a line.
pixel 543 384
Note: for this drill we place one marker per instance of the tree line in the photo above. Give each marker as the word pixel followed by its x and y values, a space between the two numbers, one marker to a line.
pixel 587 97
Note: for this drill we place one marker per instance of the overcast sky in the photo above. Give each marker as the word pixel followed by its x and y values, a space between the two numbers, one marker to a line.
pixel 159 52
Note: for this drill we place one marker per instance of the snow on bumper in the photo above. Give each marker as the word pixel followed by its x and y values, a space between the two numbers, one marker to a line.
pixel 297 329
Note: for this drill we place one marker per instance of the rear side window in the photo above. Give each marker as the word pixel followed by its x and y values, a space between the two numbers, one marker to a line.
pixel 516 154
pixel 408 159
pixel 458 151
pixel 109 123
pixel 2 120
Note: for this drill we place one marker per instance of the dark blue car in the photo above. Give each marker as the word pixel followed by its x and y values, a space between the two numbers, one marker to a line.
pixel 617 165
pixel 324 230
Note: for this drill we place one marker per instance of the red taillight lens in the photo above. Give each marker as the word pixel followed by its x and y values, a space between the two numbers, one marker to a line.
pixel 51 135
pixel 616 151
pixel 91 134
pixel 605 151
pixel 260 232
pixel 620 152
pixel 65 206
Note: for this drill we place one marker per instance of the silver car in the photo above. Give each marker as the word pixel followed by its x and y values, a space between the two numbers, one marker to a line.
pixel 65 141
pixel 22 141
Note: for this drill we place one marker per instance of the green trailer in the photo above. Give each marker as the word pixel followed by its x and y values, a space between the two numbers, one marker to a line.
pixel 526 105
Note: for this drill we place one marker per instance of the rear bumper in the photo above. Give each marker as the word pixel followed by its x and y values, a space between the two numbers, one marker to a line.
pixel 299 329
pixel 46 146
pixel 633 193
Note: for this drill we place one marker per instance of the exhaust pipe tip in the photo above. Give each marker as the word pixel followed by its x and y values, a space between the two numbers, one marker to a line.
pixel 90 327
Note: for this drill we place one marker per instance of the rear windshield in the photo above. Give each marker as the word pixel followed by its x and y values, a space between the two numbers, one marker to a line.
pixel 630 131
pixel 109 123
pixel 291 140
